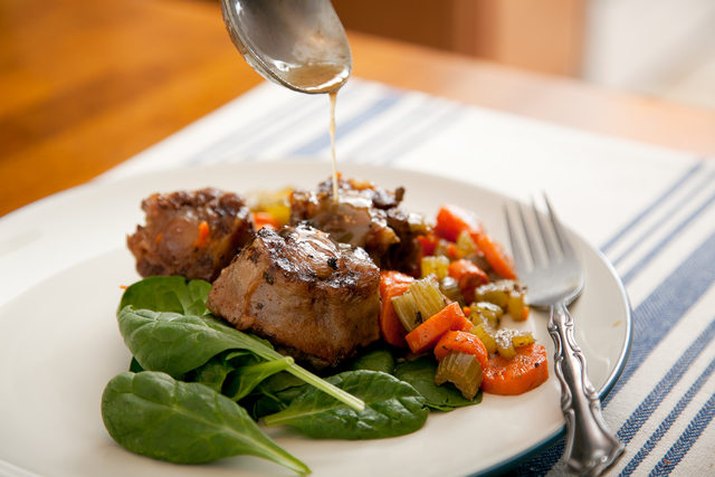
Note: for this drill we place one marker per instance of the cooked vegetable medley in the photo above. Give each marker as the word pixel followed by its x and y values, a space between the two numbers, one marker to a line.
pixel 212 361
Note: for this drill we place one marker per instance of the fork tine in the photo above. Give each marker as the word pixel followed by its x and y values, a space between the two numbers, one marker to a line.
pixel 564 244
pixel 521 261
pixel 549 245
pixel 529 238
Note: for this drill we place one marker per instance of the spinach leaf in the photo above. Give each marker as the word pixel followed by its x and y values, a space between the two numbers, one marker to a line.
pixel 378 360
pixel 173 294
pixel 212 374
pixel 393 408
pixel 151 414
pixel 175 344
pixel 244 379
pixel 274 394
pixel 420 374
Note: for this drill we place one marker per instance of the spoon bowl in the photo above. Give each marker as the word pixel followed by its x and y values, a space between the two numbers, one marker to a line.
pixel 300 44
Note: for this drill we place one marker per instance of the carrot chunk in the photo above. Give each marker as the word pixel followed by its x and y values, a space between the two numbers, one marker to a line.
pixel 265 219
pixel 522 373
pixel 461 342
pixel 204 232
pixel 427 244
pixel 495 256
pixel 426 335
pixel 468 276
pixel 451 220
pixel 392 284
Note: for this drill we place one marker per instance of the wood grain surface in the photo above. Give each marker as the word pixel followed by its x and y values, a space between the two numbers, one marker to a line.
pixel 86 85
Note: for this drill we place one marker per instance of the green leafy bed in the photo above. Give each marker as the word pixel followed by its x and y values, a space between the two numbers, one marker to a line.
pixel 196 387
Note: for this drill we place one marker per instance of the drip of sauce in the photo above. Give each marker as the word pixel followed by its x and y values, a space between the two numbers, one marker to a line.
pixel 322 78
pixel 333 99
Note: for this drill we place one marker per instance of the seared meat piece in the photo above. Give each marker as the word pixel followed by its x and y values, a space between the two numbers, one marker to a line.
pixel 366 216
pixel 314 298
pixel 194 234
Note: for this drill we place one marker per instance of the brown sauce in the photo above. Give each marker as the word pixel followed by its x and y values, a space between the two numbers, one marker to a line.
pixel 333 99
pixel 322 78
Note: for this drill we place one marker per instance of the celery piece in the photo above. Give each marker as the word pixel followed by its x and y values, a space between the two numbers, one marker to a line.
pixel 522 339
pixel 465 245
pixel 450 289
pixel 486 334
pixel 428 297
pixel 461 369
pixel 422 300
pixel 407 311
pixel 434 265
pixel 505 348
pixel 488 311
pixel 515 305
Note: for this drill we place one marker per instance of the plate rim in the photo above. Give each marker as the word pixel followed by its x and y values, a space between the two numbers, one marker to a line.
pixel 372 169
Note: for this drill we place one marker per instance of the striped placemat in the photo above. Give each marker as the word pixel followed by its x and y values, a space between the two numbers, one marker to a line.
pixel 649 209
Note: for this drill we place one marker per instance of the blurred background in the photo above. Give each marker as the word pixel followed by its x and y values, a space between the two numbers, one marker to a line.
pixel 663 48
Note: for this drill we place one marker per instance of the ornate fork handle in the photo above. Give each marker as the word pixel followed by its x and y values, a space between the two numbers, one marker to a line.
pixel 590 447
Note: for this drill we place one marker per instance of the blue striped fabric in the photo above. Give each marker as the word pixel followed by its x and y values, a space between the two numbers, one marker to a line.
pixel 667 423
pixel 663 247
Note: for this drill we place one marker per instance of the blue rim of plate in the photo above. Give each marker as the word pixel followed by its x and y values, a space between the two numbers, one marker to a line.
pixel 547 442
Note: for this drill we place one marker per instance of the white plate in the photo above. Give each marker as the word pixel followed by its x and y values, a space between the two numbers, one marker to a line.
pixel 63 261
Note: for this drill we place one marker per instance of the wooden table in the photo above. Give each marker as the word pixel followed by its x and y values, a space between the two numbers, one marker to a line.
pixel 86 85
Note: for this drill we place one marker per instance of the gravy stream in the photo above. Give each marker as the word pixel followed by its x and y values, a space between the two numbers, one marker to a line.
pixel 322 78
pixel 333 95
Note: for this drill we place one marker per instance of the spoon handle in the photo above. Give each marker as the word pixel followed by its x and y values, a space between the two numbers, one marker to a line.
pixel 590 447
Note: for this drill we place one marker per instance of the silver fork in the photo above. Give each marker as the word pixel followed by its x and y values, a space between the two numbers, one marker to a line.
pixel 548 265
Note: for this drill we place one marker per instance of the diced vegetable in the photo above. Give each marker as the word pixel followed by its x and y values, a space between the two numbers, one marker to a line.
pixel 392 284
pixel 516 305
pixel 450 289
pixel 426 335
pixel 486 333
pixel 522 339
pixel 203 235
pixel 485 311
pixel 500 262
pixel 461 369
pixel 509 339
pixel 452 220
pixel 427 243
pixel 469 276
pixel 437 266
pixel 527 370
pixel 422 300
pixel 274 203
pixel 507 294
pixel 264 219
pixel 465 244
pixel 461 342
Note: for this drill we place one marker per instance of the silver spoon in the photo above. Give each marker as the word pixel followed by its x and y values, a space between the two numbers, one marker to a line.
pixel 300 44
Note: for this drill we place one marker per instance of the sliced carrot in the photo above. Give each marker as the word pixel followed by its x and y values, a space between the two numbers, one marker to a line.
pixel 469 276
pixel 497 259
pixel 522 373
pixel 265 219
pixel 462 342
pixel 451 220
pixel 203 235
pixel 392 284
pixel 426 335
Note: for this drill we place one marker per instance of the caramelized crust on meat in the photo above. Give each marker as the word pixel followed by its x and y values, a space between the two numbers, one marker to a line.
pixel 316 299
pixel 194 234
pixel 366 216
